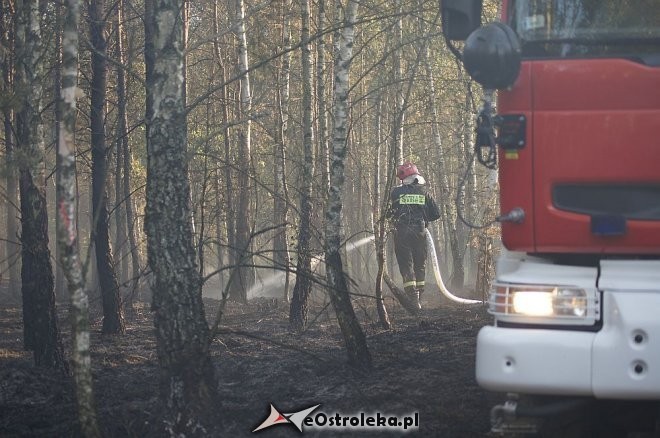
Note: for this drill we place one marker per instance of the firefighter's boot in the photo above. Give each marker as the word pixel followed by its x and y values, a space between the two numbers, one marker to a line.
pixel 412 295
pixel 419 291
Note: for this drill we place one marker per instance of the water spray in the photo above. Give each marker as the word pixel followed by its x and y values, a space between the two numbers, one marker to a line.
pixel 277 279
pixel 438 275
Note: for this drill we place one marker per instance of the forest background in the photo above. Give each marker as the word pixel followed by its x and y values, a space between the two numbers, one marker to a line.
pixel 280 124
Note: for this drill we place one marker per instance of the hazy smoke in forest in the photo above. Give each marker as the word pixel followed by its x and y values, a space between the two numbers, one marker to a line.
pixel 272 284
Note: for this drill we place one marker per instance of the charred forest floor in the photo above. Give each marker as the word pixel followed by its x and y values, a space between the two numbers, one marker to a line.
pixel 422 365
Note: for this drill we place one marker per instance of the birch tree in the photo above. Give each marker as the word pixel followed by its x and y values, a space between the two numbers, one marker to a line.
pixel 321 101
pixel 243 275
pixel 281 258
pixel 188 381
pixel 228 207
pixel 41 333
pixel 68 226
pixel 399 104
pixel 356 344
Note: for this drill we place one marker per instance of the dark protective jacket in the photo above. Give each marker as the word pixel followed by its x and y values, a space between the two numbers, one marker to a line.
pixel 411 204
pixel 411 209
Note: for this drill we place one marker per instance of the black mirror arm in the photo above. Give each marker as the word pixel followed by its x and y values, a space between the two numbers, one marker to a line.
pixel 454 50
pixel 485 143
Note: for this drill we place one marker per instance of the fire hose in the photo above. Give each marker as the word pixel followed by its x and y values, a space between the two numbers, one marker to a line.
pixel 438 275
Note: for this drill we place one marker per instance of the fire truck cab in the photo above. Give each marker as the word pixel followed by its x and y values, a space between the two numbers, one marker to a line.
pixel 575 132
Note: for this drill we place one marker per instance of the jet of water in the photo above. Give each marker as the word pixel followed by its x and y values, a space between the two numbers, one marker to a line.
pixel 275 282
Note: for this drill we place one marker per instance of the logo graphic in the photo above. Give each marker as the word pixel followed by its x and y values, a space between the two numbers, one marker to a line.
pixel 295 418
pixel 359 421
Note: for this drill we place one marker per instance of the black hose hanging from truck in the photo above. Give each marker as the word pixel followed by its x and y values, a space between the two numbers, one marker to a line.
pixel 485 150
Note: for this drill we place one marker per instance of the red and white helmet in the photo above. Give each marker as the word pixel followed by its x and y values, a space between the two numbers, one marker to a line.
pixel 405 170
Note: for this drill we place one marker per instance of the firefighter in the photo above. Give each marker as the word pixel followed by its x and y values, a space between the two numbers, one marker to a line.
pixel 411 210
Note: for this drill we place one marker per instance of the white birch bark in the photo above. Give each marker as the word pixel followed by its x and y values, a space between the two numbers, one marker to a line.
pixel 320 98
pixel 68 227
pixel 41 334
pixel 281 256
pixel 187 376
pixel 354 339
pixel 240 287
pixel 228 201
pixel 399 110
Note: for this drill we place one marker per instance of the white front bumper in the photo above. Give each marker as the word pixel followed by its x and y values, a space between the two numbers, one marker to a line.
pixel 626 352
pixel 534 361
pixel 621 361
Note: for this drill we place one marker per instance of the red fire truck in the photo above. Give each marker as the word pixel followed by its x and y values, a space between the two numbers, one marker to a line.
pixel 575 133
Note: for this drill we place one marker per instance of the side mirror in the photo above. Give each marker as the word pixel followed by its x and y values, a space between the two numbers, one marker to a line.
pixel 460 18
pixel 492 56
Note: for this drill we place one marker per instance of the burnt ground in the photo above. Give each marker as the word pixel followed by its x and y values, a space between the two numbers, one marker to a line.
pixel 423 365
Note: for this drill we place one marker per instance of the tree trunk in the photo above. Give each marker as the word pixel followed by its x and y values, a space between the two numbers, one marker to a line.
pixel 302 288
pixel 243 278
pixel 113 320
pixel 12 246
pixel 399 104
pixel 449 220
pixel 202 205
pixel 67 231
pixel 324 151
pixel 127 167
pixel 393 155
pixel 120 202
pixel 281 258
pixel 461 234
pixel 188 382
pixel 220 248
pixel 39 316
pixel 120 216
pixel 228 201
pixel 379 224
pixel 121 236
pixel 57 89
pixel 354 339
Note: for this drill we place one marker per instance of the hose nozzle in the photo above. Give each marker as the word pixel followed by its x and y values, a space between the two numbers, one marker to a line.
pixel 517 216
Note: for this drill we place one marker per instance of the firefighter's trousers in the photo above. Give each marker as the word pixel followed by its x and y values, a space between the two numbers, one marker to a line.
pixel 410 250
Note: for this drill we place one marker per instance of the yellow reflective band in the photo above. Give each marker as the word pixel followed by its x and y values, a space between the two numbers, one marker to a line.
pixel 411 199
pixel 409 283
pixel 420 283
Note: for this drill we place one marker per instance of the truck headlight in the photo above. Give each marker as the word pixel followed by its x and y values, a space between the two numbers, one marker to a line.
pixel 547 304
pixel 532 303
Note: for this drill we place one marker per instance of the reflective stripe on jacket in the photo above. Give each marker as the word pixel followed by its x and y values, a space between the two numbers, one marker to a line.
pixel 410 204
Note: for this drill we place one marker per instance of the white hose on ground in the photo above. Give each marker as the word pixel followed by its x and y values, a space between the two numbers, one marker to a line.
pixel 438 276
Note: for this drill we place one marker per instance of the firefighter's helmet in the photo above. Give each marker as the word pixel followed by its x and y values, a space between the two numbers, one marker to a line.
pixel 405 170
